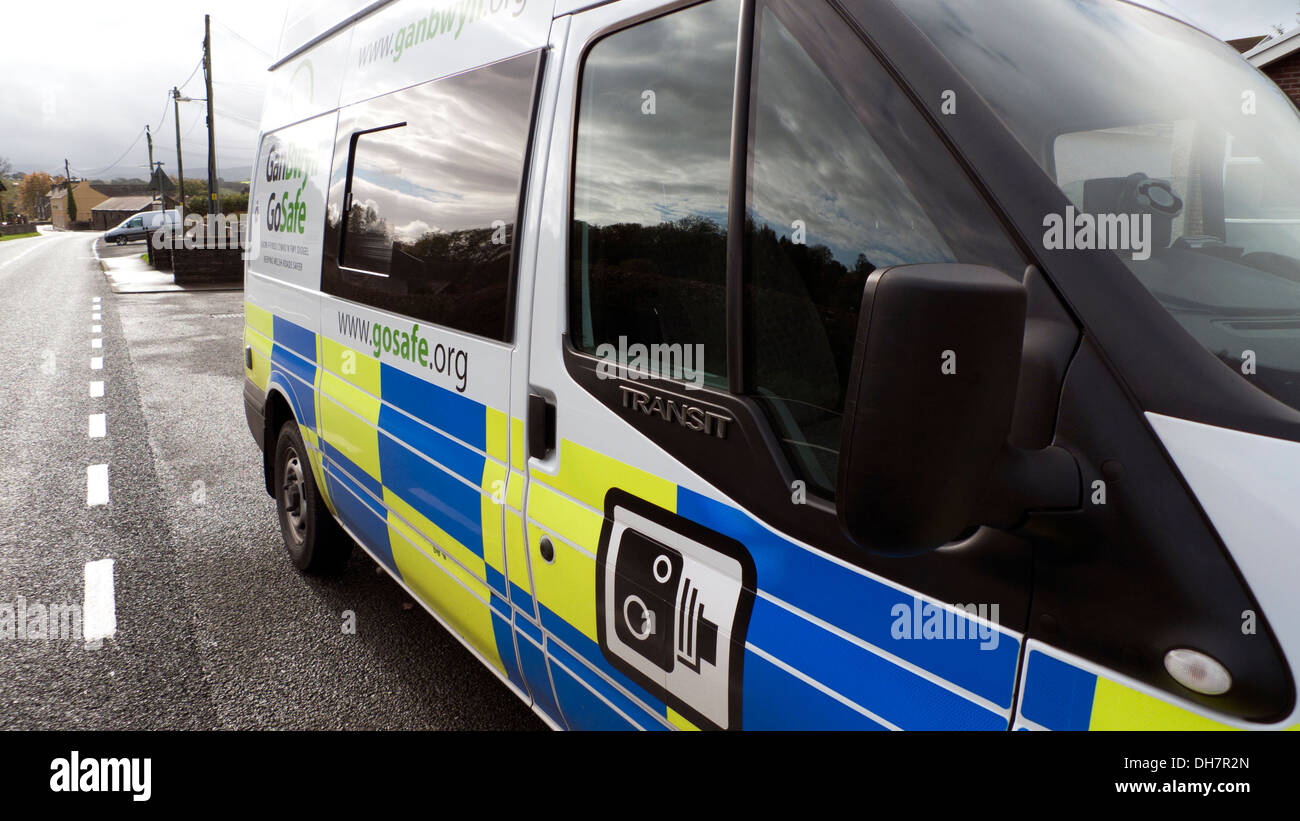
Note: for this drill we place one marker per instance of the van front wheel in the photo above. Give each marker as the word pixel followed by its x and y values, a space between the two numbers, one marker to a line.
pixel 315 542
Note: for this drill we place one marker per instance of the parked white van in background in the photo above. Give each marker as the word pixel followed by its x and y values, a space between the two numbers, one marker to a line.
pixel 142 225
pixel 771 364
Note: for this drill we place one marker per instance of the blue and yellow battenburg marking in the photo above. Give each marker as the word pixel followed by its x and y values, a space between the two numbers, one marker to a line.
pixel 818 651
pixel 1059 695
pixel 433 483
pixel 410 467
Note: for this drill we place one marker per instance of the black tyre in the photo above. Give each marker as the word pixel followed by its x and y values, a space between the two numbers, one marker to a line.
pixel 315 542
pixel 121 240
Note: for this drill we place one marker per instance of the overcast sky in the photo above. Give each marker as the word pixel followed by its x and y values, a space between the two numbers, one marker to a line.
pixel 80 79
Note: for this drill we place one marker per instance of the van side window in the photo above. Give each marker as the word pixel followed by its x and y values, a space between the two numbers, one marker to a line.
pixel 845 178
pixel 648 244
pixel 432 196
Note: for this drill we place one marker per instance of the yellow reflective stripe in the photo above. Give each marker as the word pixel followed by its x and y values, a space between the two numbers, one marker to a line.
pixel 438 581
pixel 260 373
pixel 439 540
pixel 567 585
pixel 318 461
pixel 515 491
pixel 516 553
pixel 1116 707
pixel 352 365
pixel 491 501
pixel 497 446
pixel 356 438
pixel 679 721
pixel 586 475
pixel 518 454
pixel 564 517
pixel 259 319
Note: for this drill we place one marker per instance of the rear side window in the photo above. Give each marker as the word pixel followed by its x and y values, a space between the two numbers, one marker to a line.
pixel 430 198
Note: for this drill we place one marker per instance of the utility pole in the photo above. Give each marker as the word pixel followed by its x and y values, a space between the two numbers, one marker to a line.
pixel 180 168
pixel 67 184
pixel 149 139
pixel 214 201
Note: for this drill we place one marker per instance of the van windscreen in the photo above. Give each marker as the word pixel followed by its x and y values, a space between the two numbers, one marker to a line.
pixel 1134 114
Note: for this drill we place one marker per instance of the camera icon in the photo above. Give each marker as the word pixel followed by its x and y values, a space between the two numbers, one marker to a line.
pixel 673 605
pixel 662 615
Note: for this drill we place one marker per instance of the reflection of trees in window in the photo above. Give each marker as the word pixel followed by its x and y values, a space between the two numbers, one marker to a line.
pixel 456 278
pixel 652 284
pixel 666 284
pixel 368 239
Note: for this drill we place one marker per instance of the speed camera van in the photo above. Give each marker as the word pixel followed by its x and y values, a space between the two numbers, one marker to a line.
pixel 769 364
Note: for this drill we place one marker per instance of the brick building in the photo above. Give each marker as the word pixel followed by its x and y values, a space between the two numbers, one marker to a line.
pixel 1279 58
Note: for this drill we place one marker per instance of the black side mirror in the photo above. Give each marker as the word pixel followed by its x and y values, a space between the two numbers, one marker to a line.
pixel 930 400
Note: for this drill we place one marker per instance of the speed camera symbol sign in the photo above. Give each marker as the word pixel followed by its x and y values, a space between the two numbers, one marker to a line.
pixel 669 599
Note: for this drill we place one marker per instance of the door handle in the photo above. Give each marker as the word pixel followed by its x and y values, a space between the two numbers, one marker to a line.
pixel 541 427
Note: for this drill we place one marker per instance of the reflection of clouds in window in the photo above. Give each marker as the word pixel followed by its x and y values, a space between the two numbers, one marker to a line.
pixel 816 162
pixel 461 136
pixel 622 176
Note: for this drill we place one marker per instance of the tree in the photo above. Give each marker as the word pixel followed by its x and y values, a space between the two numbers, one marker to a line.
pixel 72 206
pixel 5 166
pixel 32 191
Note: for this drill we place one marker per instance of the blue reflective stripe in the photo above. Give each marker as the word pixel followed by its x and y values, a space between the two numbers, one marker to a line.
pixel 594 715
pixel 437 495
pixel 897 695
pixel 1057 695
pixel 294 337
pixel 446 452
pixel 300 380
pixel 776 700
pixel 370 526
pixel 588 649
pixel 506 649
pixel 858 604
pixel 534 668
pixel 446 410
pixel 366 481
pixel 529 629
pixel 498 584
pixel 521 599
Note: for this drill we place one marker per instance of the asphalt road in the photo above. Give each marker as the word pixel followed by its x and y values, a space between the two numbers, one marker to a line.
pixel 214 627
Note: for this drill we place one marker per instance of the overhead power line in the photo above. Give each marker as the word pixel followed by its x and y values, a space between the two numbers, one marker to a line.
pixel 239 36
pixel 116 162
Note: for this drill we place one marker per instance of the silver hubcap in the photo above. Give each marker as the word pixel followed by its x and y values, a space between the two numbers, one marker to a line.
pixel 293 493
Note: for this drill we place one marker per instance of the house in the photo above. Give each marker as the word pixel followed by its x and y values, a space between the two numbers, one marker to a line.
pixel 1279 58
pixel 113 210
pixel 1245 44
pixel 86 199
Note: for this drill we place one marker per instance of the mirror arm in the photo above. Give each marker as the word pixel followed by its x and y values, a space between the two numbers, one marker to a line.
pixel 1030 480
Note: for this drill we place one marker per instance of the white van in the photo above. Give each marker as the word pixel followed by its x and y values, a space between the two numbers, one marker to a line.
pixel 142 225
pixel 771 364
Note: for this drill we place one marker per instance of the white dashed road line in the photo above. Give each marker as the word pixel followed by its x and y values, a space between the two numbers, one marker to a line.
pixel 96 329
pixel 98 427
pixel 96 389
pixel 97 363
pixel 97 342
pixel 99 611
pixel 96 485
